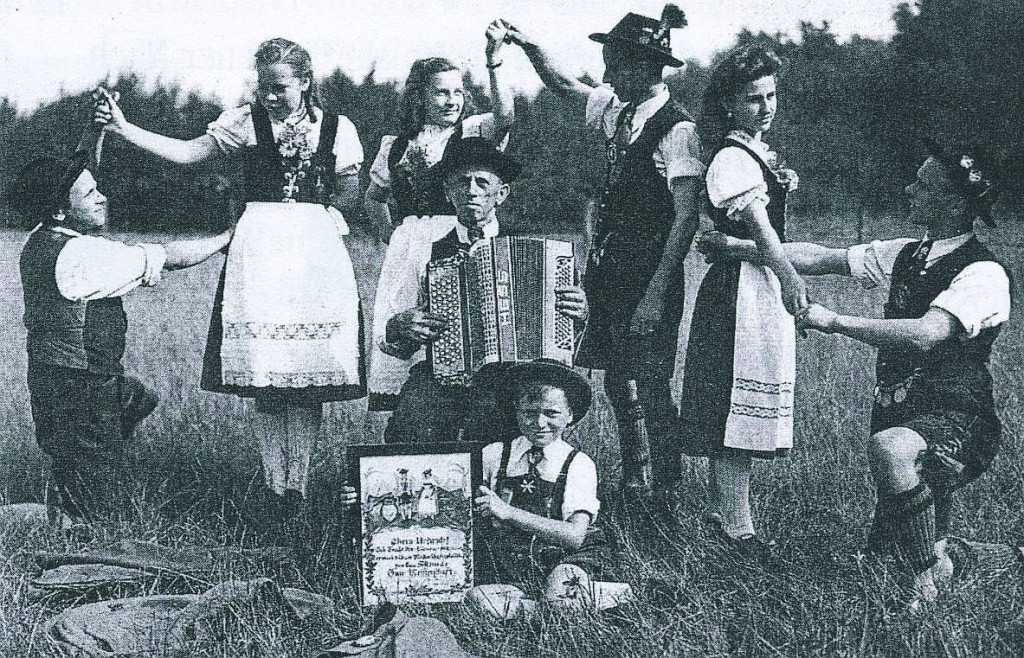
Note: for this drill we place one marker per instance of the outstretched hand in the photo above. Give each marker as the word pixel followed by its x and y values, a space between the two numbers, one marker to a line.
pixel 513 34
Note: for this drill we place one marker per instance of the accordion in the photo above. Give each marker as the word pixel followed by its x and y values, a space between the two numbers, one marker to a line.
pixel 499 302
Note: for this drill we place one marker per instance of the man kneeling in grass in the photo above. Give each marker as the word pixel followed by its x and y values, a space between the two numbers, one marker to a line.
pixel 934 424
pixel 541 497
pixel 84 407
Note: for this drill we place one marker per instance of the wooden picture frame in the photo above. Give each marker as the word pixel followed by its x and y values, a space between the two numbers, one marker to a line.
pixel 415 524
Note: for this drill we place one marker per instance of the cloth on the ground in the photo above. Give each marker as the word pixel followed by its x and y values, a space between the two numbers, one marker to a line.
pixel 147 556
pixel 149 625
pixel 402 637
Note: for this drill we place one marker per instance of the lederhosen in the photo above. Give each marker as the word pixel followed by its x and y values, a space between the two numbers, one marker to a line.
pixel 513 556
pixel 944 394
pixel 427 411
pixel 708 375
pixel 266 177
pixel 423 195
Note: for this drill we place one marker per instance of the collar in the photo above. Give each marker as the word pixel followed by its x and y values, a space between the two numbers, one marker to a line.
pixel 296 117
pixel 553 452
pixel 65 231
pixel 946 246
pixel 754 144
pixel 651 106
pixel 431 131
pixel 490 228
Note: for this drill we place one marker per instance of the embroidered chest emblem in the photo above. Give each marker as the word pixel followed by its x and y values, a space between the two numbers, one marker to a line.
pixel 528 485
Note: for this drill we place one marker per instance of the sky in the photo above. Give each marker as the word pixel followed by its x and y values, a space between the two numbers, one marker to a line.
pixel 51 45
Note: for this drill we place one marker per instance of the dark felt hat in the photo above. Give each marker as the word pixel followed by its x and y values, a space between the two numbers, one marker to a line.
pixel 477 152
pixel 42 186
pixel 649 36
pixel 551 373
pixel 973 173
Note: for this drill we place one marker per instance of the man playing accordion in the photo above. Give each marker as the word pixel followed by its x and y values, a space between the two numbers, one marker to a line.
pixel 476 180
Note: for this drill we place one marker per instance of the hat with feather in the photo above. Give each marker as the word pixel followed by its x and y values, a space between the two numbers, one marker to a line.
pixel 648 35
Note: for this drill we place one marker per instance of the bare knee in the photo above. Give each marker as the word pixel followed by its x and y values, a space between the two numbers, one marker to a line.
pixel 893 455
pixel 569 586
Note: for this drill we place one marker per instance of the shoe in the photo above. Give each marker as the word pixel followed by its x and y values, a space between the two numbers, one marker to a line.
pixel 748 548
pixel 140 404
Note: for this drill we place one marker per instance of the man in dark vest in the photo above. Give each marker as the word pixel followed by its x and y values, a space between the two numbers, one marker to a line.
pixel 476 180
pixel 646 220
pixel 84 407
pixel 934 424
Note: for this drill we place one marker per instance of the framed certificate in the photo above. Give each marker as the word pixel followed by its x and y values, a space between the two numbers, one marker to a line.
pixel 416 520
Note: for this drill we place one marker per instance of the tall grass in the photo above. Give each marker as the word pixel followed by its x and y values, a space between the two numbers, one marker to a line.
pixel 198 475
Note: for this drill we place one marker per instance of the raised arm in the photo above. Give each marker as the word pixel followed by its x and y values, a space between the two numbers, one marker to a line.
pixel 502 99
pixel 807 258
pixel 179 151
pixel 554 76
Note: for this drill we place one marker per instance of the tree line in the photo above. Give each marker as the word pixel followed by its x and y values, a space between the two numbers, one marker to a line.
pixel 853 117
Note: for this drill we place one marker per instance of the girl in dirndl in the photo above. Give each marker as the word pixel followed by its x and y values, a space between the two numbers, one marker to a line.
pixel 405 191
pixel 286 325
pixel 739 365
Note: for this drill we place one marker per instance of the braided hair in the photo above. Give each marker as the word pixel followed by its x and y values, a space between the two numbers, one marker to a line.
pixel 280 50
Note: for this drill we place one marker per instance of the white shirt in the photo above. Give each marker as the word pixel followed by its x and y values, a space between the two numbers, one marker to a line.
pixel 678 152
pixel 735 179
pixel 979 296
pixel 580 481
pixel 234 129
pixel 90 267
pixel 429 145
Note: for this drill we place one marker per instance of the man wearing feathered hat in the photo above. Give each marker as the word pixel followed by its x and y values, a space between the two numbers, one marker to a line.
pixel 646 219
pixel 84 407
pixel 476 180
pixel 934 424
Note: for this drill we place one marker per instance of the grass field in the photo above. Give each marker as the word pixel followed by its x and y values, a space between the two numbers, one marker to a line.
pixel 196 463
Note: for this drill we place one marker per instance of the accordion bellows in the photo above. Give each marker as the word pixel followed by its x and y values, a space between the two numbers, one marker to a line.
pixel 499 302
